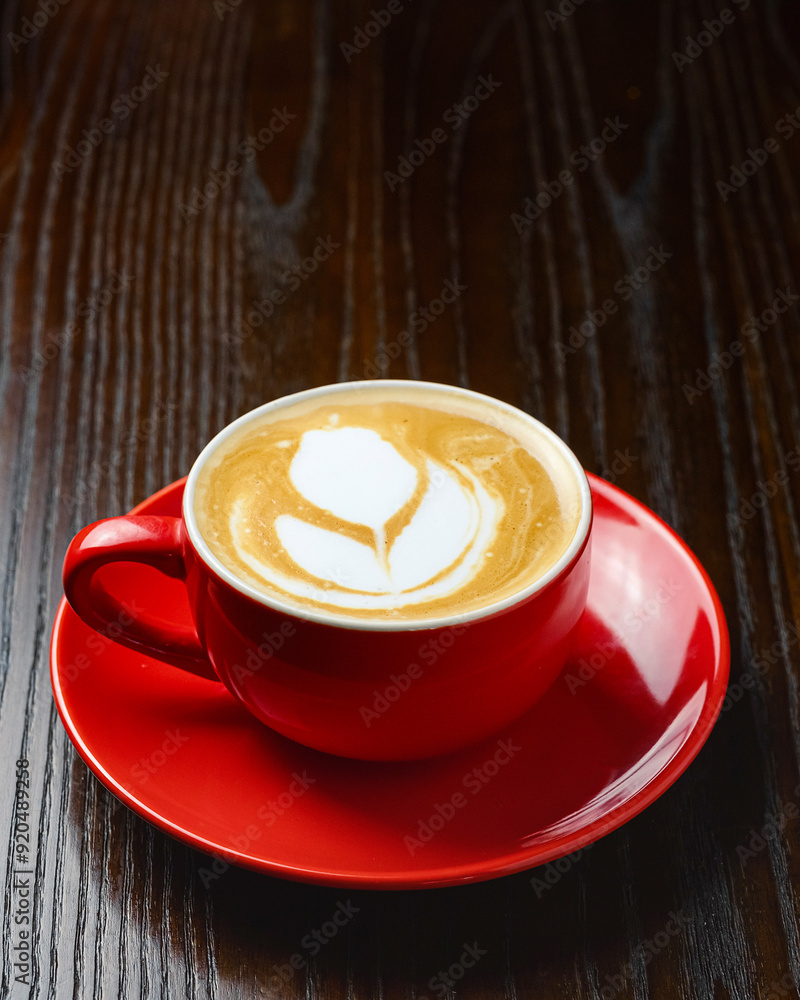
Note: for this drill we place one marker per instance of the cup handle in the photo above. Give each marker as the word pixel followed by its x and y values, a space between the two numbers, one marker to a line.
pixel 156 540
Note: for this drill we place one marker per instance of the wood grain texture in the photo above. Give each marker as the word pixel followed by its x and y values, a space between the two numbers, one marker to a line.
pixel 168 345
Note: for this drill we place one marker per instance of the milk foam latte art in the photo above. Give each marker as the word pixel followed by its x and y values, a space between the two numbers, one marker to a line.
pixel 388 503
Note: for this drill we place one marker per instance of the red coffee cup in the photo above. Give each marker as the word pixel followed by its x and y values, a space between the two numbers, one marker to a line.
pixel 369 689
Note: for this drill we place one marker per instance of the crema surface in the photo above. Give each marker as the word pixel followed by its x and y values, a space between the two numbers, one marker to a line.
pixel 374 504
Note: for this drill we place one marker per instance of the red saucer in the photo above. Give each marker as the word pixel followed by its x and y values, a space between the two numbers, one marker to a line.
pixel 619 726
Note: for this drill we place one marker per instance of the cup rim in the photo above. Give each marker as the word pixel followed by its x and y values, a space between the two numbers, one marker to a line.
pixel 337 620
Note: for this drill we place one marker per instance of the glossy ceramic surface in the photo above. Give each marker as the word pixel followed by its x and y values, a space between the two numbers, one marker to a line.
pixel 622 722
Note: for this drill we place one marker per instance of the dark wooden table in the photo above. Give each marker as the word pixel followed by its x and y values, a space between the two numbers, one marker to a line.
pixel 606 156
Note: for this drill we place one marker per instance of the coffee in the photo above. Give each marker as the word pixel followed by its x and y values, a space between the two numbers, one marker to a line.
pixel 401 502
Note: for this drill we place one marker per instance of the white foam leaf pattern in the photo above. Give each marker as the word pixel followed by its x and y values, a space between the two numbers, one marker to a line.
pixel 437 551
pixel 442 528
pixel 440 531
pixel 331 556
pixel 353 473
